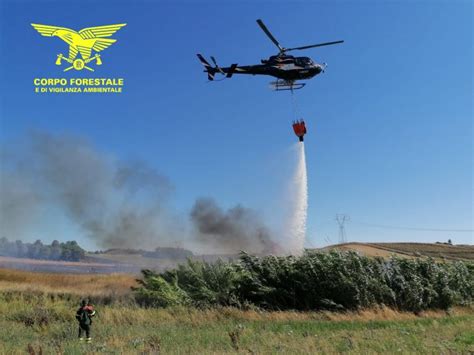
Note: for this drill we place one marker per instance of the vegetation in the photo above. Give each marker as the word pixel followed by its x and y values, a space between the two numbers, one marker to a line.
pixel 102 288
pixel 37 321
pixel 37 312
pixel 69 251
pixel 314 281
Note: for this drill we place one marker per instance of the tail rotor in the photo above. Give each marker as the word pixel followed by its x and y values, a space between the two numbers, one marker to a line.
pixel 216 67
pixel 211 71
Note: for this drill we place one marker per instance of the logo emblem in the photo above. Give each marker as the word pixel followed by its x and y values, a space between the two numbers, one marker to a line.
pixel 84 42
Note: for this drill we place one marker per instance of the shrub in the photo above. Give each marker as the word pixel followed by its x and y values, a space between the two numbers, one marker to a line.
pixel 157 292
pixel 314 281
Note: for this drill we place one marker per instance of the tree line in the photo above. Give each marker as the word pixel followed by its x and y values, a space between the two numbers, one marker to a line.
pixel 69 251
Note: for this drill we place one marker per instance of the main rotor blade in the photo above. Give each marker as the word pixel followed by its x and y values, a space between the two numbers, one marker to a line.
pixel 314 45
pixel 268 33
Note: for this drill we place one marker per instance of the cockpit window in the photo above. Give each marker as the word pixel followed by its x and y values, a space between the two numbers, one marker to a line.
pixel 303 61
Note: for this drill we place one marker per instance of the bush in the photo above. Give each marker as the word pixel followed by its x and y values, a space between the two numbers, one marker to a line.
pixel 157 292
pixel 314 281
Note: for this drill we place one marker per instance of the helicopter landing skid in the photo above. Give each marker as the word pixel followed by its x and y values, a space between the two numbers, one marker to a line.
pixel 281 85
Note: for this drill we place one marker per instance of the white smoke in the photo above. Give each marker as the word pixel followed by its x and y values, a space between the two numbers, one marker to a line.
pixel 296 227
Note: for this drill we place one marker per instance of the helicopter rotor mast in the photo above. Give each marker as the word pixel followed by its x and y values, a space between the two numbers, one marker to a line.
pixel 283 49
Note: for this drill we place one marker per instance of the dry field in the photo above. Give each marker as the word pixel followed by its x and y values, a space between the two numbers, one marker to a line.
pixel 81 285
pixel 410 250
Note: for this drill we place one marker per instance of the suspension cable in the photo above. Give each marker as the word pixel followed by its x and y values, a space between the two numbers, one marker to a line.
pixel 295 107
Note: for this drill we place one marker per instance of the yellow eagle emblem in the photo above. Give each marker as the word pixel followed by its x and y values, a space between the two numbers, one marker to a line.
pixel 84 42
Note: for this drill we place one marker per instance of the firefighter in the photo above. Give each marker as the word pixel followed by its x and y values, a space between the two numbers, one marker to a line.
pixel 84 316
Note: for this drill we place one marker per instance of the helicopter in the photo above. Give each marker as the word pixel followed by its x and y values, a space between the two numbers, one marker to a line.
pixel 286 68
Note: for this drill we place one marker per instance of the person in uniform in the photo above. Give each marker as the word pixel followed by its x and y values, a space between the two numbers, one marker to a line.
pixel 84 316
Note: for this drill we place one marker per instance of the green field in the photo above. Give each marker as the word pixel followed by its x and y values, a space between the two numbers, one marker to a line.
pixel 38 320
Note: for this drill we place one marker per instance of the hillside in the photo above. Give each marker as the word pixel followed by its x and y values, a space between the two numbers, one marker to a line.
pixel 434 250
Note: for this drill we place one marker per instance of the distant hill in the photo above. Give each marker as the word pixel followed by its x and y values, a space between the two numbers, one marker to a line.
pixel 410 250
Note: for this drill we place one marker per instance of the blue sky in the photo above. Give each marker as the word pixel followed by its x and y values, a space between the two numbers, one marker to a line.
pixel 390 122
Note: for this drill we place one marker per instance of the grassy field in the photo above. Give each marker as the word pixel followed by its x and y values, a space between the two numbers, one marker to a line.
pixel 127 329
pixel 37 311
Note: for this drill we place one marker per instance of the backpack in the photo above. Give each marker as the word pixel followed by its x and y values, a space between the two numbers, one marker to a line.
pixel 84 317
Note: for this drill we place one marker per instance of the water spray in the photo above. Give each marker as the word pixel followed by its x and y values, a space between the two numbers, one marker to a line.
pixel 299 211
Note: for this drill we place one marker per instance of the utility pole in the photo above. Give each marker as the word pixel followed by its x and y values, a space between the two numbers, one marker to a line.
pixel 341 220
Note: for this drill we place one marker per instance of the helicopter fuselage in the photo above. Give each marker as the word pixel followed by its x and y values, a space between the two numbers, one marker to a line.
pixel 287 68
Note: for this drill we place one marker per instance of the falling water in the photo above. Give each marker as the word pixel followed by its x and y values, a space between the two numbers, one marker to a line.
pixel 299 207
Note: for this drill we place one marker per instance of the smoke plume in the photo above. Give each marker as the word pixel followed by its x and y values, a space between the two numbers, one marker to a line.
pixel 238 228
pixel 116 204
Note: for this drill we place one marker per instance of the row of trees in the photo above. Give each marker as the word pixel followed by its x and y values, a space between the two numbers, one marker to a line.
pixel 70 250
pixel 314 281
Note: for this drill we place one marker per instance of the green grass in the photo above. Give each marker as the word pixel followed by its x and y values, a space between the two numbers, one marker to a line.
pixel 119 328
